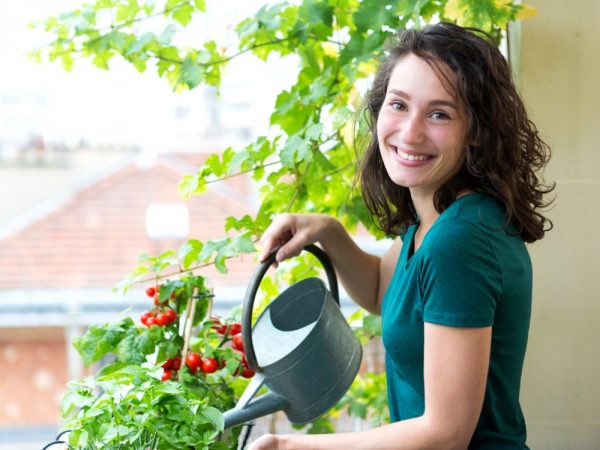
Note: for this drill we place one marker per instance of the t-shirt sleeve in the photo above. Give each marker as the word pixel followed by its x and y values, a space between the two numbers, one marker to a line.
pixel 460 276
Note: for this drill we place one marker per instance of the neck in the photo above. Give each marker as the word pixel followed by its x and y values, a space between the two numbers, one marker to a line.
pixel 427 213
pixel 425 210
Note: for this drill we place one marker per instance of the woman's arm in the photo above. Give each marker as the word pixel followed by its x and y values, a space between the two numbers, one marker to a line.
pixel 456 366
pixel 364 276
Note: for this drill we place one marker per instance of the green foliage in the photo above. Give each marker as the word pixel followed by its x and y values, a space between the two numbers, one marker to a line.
pixel 127 406
pixel 309 163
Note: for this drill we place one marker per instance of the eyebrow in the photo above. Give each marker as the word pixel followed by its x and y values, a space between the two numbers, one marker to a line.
pixel 437 102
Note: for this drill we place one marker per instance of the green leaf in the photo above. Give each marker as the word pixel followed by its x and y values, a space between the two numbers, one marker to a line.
pixel 188 252
pixel 164 39
pixel 183 14
pixel 244 244
pixel 128 352
pixel 191 73
pixel 245 223
pixel 117 431
pixel 200 5
pixel 191 184
pixel 484 14
pixel 296 150
pixel 139 44
pixel 215 417
pixel 100 340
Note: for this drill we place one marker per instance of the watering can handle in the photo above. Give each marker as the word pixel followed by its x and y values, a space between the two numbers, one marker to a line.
pixel 253 289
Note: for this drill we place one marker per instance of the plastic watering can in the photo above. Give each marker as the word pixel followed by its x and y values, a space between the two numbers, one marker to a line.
pixel 301 348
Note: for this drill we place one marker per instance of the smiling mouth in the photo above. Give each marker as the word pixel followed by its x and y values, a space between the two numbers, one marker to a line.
pixel 412 157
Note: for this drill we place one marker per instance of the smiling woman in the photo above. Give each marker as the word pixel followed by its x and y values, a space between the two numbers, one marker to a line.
pixel 451 171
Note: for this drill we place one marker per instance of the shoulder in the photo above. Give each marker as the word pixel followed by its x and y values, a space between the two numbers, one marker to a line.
pixel 475 218
pixel 478 209
pixel 465 239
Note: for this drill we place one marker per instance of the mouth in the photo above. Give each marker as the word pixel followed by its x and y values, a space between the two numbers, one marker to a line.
pixel 412 156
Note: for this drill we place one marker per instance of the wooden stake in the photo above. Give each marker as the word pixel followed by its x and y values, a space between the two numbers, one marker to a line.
pixel 190 309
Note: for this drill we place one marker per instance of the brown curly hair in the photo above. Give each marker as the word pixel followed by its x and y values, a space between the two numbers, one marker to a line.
pixel 503 152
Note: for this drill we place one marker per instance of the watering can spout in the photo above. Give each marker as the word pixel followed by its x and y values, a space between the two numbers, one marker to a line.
pixel 247 409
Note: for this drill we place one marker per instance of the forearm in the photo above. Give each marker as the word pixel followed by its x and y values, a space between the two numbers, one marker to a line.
pixel 412 434
pixel 357 270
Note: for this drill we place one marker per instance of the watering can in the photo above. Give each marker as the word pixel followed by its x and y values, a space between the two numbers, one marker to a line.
pixel 301 348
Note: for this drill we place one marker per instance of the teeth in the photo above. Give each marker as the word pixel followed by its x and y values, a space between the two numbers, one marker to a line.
pixel 413 157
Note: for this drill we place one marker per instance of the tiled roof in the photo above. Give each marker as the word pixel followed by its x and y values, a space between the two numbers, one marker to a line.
pixel 94 238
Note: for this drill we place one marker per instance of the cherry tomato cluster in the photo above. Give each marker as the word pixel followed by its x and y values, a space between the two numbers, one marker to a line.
pixel 195 363
pixel 223 328
pixel 170 366
pixel 160 315
pixel 233 331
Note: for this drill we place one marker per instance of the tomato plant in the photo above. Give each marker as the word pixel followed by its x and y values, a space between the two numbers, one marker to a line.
pixel 147 366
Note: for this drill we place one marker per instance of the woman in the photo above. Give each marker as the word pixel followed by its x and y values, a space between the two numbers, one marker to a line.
pixel 450 170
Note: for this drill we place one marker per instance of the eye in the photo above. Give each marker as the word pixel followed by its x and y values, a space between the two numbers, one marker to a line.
pixel 439 115
pixel 397 105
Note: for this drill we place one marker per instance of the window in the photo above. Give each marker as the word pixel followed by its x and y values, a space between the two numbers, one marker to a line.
pixel 167 220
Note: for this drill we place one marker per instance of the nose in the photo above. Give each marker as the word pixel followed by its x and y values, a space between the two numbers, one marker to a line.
pixel 413 130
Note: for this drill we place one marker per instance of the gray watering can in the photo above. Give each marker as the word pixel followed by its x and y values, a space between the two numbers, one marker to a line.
pixel 301 348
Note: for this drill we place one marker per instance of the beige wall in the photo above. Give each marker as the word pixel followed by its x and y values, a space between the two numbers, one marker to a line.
pixel 560 81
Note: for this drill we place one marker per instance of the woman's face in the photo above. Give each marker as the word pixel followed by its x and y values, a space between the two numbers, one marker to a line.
pixel 421 127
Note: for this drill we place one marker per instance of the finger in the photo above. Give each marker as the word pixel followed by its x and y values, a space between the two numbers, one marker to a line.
pixel 269 247
pixel 291 248
pixel 276 235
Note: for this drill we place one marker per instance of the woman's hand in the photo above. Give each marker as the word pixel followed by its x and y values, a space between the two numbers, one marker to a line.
pixel 265 442
pixel 358 272
pixel 291 232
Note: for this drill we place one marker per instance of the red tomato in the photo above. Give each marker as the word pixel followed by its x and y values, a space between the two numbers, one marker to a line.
pixel 237 342
pixel 150 321
pixel 144 317
pixel 176 363
pixel 209 365
pixel 218 324
pixel 150 291
pixel 235 328
pixel 193 360
pixel 171 315
pixel 167 375
pixel 247 372
pixel 161 320
pixel 168 364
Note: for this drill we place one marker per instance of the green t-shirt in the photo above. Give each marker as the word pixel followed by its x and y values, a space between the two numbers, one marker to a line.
pixel 471 270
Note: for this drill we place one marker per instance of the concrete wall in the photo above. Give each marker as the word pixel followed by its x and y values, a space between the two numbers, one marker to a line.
pixel 560 81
